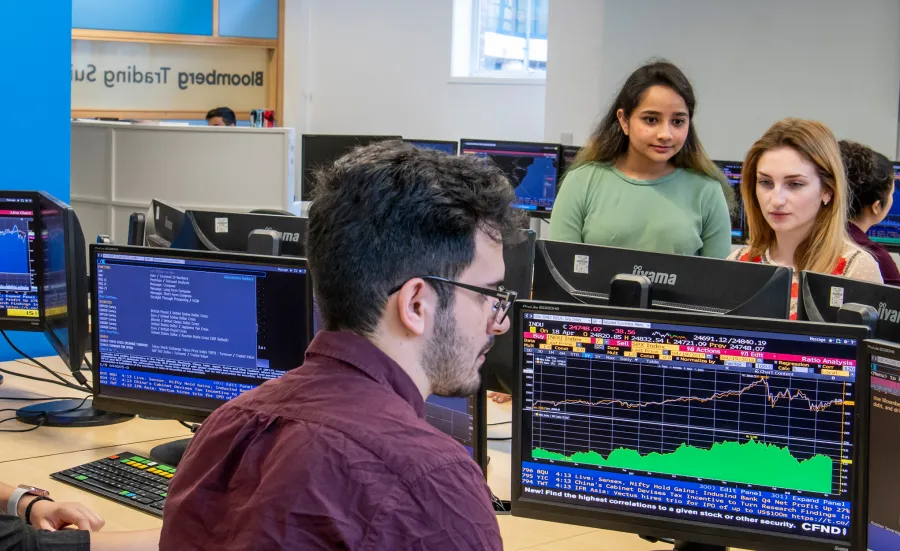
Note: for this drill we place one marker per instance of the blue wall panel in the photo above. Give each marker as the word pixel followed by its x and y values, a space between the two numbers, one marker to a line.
pixel 36 88
pixel 248 18
pixel 150 16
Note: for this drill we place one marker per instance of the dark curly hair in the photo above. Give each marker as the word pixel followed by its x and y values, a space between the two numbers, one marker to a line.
pixel 870 176
pixel 388 212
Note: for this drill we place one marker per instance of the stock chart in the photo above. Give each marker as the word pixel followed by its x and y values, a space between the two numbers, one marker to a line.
pixel 749 423
pixel 14 254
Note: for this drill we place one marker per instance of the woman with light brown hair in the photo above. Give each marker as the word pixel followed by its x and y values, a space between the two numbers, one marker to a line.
pixel 796 200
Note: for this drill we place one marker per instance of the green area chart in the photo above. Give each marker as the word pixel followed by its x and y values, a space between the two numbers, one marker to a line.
pixel 749 463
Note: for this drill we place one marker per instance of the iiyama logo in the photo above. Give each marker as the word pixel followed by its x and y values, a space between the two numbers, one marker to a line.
pixel 886 314
pixel 656 277
pixel 288 237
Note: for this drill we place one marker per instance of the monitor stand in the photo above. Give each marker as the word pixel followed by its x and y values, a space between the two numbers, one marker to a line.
pixel 685 545
pixel 170 453
pixel 69 413
pixel 690 546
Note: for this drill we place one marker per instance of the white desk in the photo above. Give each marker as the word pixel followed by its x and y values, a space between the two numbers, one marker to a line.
pixel 30 457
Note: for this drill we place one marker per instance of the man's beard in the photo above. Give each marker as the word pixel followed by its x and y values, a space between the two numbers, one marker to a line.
pixel 449 373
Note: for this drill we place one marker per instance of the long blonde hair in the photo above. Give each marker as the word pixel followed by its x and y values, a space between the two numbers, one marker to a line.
pixel 823 247
pixel 608 141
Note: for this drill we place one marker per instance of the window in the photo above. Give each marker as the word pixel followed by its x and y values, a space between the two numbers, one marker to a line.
pixel 500 38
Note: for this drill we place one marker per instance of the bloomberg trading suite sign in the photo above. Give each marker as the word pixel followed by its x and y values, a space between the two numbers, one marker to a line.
pixel 120 76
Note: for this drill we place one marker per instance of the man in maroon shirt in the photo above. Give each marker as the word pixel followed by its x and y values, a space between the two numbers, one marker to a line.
pixel 405 250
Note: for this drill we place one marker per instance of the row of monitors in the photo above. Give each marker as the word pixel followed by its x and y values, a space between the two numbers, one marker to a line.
pixel 704 427
pixel 710 430
pixel 535 169
pixel 568 272
pixel 576 456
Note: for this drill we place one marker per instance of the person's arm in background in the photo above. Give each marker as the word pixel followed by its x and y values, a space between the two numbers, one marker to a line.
pixel 567 218
pixel 49 519
pixel 716 229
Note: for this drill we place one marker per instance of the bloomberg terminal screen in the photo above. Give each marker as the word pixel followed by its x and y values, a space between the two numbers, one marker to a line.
pixel 732 171
pixel 533 169
pixel 888 230
pixel 196 332
pixel 18 285
pixel 736 428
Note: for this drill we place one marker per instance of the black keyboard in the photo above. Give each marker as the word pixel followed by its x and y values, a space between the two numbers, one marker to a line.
pixel 128 478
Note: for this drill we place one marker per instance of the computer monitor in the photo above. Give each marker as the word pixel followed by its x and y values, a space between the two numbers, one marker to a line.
pixel 64 280
pixel 497 372
pixel 567 159
pixel 706 429
pixel 450 148
pixel 178 333
pixel 532 168
pixel 464 420
pixel 163 224
pixel 883 522
pixel 321 150
pixel 575 272
pixel 821 296
pixel 732 171
pixel 20 264
pixel 887 232
pixel 230 231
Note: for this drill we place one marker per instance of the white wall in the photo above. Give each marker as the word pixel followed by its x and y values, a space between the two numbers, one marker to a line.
pixel 360 66
pixel 574 68
pixel 751 63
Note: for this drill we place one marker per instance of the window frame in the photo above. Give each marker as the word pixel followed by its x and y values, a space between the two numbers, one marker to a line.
pixel 468 14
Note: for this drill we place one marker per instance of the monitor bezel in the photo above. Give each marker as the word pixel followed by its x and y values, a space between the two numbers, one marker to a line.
pixel 480 430
pixel 158 408
pixel 76 286
pixel 892 351
pixel 686 530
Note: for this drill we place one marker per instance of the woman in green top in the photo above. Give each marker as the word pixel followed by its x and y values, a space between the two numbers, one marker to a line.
pixel 643 180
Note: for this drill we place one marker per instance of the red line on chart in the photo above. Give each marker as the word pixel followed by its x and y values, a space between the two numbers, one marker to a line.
pixel 772 398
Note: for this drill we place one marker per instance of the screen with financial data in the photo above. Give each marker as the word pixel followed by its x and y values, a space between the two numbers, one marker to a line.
pixel 884 448
pixel 887 232
pixel 532 168
pixel 195 329
pixel 736 428
pixel 18 259
pixel 455 417
pixel 732 171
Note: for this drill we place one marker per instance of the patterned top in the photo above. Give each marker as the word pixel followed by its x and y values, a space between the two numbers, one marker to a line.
pixel 855 263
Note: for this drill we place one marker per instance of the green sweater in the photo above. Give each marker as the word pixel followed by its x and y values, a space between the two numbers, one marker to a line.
pixel 682 213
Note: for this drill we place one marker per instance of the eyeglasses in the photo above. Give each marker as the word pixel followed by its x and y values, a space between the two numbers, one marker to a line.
pixel 501 307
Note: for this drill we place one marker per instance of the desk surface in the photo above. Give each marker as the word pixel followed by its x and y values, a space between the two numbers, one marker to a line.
pixel 30 457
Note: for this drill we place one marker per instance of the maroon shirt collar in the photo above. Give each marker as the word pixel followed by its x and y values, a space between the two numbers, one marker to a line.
pixel 858 236
pixel 360 353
